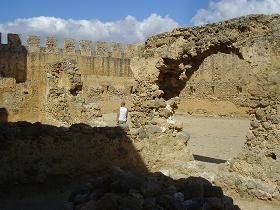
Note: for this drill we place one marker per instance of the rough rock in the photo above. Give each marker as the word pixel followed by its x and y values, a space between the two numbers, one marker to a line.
pixel 156 191
pixel 174 60
pixel 65 104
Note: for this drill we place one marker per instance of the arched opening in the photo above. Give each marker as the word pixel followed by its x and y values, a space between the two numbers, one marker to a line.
pixel 211 91
pixel 175 74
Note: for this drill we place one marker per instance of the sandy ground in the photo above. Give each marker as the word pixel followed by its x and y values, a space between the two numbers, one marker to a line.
pixel 220 138
pixel 255 205
pixel 211 138
pixel 210 107
pixel 214 140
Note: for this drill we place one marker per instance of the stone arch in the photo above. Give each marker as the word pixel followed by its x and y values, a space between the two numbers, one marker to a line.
pixel 173 57
pixel 174 74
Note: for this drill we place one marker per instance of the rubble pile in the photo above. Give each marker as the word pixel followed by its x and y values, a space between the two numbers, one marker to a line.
pixel 65 103
pixel 118 190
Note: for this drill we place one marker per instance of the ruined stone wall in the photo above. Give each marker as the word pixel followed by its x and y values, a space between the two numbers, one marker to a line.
pixel 220 81
pixel 169 64
pixel 13 58
pixel 27 62
pixel 255 170
pixel 31 153
pixel 106 88
pixel 216 88
pixel 173 60
pixel 23 101
pixel 220 75
pixel 26 66
pixel 64 102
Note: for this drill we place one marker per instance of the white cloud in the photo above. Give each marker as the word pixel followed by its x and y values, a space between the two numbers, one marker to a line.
pixel 127 30
pixel 226 9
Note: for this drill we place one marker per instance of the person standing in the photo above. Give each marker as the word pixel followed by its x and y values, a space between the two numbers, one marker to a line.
pixel 122 115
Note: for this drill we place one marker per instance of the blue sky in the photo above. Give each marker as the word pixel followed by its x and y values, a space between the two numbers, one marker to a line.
pixel 105 10
pixel 119 20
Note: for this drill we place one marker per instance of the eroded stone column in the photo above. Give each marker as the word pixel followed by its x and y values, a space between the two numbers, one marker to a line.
pixel 255 171
pixel 65 103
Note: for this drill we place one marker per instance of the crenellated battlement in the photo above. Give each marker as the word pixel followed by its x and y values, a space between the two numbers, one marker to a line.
pixel 24 57
pixel 69 46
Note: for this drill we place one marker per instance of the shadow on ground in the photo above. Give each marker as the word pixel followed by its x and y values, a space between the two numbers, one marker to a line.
pixel 41 164
pixel 208 159
pixel 118 190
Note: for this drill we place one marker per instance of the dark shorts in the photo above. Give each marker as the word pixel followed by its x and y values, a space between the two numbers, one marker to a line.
pixel 121 123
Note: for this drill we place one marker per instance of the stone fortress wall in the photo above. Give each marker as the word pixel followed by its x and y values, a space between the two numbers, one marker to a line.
pixel 105 72
pixel 173 60
pixel 216 88
pixel 24 62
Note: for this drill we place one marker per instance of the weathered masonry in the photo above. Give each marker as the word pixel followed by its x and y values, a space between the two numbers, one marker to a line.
pixel 103 69
pixel 27 62
pixel 241 56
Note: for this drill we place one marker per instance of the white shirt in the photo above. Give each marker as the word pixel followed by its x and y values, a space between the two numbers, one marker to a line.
pixel 123 112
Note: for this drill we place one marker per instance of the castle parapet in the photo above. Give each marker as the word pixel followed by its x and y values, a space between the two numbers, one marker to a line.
pixel 33 43
pixel 51 45
pixel 116 50
pixel 130 51
pixel 69 46
pixel 14 41
pixel 85 47
pixel 102 49
pixel 26 62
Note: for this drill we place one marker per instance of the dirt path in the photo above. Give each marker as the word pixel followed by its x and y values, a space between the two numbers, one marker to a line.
pixel 255 204
pixel 211 138
pixel 214 140
pixel 220 138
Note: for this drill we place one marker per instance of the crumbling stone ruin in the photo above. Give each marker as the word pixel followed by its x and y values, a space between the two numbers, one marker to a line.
pixel 64 100
pixel 234 62
pixel 170 60
pixel 28 70
pixel 124 190
pixel 66 88
pixel 31 153
pixel 34 152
